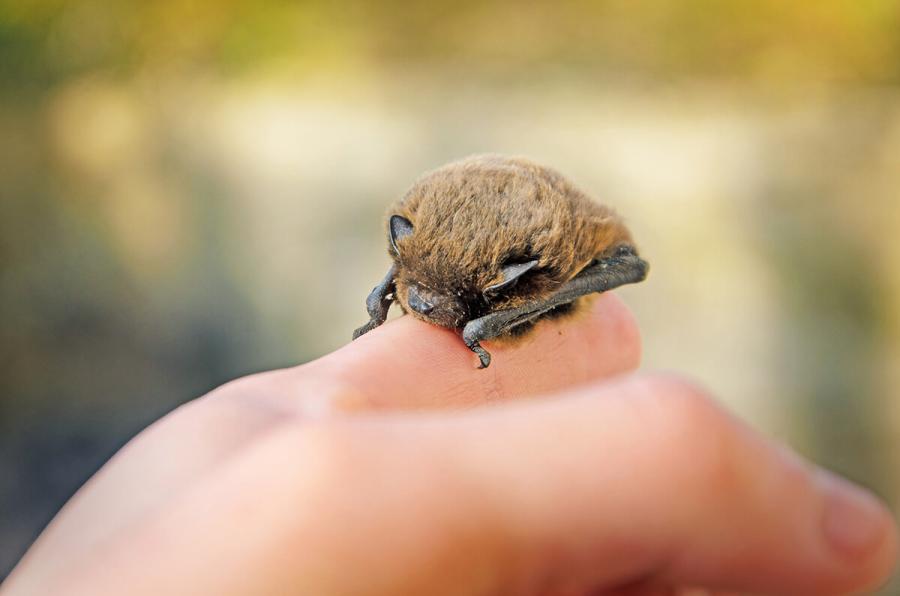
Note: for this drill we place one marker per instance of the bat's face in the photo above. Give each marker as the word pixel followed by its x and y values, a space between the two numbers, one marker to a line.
pixel 448 297
pixel 446 310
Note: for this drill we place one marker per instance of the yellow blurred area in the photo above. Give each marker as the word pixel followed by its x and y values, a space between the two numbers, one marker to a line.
pixel 768 41
pixel 191 191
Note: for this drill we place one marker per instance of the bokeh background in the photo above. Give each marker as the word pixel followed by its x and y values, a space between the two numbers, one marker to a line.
pixel 193 190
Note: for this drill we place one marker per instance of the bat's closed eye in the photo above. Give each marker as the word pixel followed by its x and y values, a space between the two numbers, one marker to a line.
pixel 509 275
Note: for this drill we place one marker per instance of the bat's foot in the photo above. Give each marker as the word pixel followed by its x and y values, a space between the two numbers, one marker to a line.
pixel 470 336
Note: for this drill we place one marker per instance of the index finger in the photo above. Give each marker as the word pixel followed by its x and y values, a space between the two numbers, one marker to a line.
pixel 407 363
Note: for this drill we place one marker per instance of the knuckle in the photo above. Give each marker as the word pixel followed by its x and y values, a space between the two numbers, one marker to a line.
pixel 327 452
pixel 688 407
pixel 698 440
pixel 679 403
pixel 339 453
pixel 327 440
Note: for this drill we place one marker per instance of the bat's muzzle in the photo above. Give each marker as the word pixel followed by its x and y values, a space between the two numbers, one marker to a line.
pixel 440 309
pixel 417 303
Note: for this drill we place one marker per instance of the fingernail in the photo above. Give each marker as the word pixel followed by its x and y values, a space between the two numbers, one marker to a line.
pixel 854 521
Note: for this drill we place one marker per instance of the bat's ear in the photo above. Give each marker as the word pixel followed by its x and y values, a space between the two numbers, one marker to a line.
pixel 400 227
pixel 510 274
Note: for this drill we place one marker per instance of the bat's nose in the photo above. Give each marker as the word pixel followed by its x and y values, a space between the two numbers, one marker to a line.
pixel 417 303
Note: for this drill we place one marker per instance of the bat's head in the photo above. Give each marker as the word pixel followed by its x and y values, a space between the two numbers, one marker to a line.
pixel 449 292
pixel 491 233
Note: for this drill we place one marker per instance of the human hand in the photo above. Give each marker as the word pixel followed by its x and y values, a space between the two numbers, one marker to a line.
pixel 329 478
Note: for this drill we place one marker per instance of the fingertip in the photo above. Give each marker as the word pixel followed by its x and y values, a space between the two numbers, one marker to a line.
pixel 399 364
pixel 859 530
pixel 407 362
pixel 887 561
pixel 738 495
pixel 598 341
pixel 612 313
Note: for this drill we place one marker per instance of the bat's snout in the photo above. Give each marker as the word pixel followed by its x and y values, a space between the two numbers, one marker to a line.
pixel 417 303
pixel 440 309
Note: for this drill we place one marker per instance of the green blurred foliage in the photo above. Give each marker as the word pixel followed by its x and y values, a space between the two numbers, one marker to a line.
pixel 768 42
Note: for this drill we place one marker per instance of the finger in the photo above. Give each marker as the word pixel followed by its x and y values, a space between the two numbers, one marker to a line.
pixel 648 478
pixel 408 363
pixel 638 482
pixel 587 340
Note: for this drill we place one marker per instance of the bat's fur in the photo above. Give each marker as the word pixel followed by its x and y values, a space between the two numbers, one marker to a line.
pixel 472 217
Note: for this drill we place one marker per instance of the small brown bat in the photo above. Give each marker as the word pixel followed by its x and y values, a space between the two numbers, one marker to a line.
pixel 490 244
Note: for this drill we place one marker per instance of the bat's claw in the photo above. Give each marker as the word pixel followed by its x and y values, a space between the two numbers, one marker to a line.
pixel 470 336
pixel 484 357
pixel 372 324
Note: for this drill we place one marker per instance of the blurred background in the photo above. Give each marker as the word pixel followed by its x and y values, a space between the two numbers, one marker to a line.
pixel 193 190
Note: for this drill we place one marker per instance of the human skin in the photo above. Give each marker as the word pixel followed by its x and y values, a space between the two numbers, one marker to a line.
pixel 394 466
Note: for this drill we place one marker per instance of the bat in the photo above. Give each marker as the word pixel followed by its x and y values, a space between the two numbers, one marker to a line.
pixel 490 244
